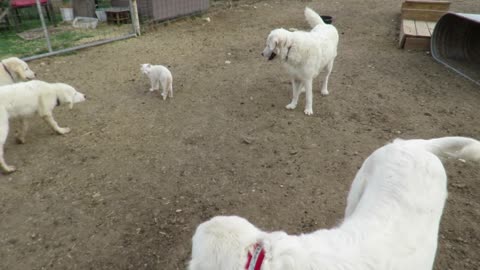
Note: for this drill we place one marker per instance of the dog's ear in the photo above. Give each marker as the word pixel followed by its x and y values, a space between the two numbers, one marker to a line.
pixel 65 96
pixel 17 67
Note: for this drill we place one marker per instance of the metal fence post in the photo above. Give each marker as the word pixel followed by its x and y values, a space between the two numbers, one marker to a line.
pixel 135 20
pixel 45 30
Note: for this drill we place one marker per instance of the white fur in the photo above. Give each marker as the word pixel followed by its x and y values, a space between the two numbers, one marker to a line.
pixel 18 69
pixel 391 220
pixel 305 55
pixel 159 75
pixel 25 99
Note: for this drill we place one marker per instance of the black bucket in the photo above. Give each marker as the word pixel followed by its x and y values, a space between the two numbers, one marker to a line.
pixel 327 19
pixel 456 43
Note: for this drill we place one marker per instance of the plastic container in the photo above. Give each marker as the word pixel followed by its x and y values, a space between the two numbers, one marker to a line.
pixel 327 19
pixel 85 22
pixel 67 14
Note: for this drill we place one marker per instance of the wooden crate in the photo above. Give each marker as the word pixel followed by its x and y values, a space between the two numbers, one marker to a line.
pixel 118 15
pixel 418 21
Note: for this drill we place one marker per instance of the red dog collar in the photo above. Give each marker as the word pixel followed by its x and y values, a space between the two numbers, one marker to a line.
pixel 255 260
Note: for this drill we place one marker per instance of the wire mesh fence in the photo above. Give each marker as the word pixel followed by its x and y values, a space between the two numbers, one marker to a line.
pixel 36 28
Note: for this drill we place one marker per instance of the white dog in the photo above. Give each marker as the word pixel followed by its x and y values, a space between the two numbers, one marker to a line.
pixel 305 55
pixel 159 74
pixel 24 99
pixel 391 219
pixel 14 70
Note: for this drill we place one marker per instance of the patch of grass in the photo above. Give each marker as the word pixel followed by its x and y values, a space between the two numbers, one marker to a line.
pixel 13 45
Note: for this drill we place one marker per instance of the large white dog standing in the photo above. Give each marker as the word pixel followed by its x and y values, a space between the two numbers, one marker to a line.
pixel 391 220
pixel 25 99
pixel 305 55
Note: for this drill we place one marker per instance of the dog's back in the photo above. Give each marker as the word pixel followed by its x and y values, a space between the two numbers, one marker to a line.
pixel 22 98
pixel 324 31
pixel 398 195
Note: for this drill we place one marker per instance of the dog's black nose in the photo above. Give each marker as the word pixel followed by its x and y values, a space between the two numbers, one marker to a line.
pixel 85 96
pixel 261 54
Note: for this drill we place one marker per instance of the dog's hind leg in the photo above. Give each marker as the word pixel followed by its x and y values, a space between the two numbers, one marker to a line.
pixel 296 89
pixel 325 82
pixel 53 124
pixel 167 88
pixel 170 87
pixel 22 131
pixel 3 138
pixel 308 97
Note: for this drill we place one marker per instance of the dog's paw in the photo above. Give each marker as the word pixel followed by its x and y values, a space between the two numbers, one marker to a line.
pixel 164 96
pixel 324 92
pixel 308 111
pixel 291 106
pixel 63 131
pixel 9 169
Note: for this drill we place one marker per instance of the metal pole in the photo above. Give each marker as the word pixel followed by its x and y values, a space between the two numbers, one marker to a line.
pixel 45 31
pixel 101 42
pixel 134 15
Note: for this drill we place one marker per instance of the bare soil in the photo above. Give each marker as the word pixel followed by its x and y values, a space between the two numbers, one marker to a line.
pixel 127 187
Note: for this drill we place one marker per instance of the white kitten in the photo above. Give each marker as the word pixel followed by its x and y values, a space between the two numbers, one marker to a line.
pixel 159 74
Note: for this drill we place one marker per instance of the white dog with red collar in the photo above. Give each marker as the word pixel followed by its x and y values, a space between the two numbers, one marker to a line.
pixel 391 220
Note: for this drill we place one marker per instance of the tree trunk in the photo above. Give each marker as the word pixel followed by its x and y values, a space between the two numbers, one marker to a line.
pixel 84 8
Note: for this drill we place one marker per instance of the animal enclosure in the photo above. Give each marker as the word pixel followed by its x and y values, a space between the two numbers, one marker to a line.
pixel 127 187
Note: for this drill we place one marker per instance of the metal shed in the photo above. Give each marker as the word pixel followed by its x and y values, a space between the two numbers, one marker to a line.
pixel 159 10
pixel 456 44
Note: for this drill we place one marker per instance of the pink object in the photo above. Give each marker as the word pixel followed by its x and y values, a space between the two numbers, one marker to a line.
pixel 25 3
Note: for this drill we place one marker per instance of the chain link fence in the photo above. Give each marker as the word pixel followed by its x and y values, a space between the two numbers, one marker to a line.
pixel 33 29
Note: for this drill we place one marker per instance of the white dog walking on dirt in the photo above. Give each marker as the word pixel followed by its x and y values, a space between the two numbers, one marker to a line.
pixel 391 220
pixel 305 55
pixel 159 75
pixel 24 99
pixel 14 70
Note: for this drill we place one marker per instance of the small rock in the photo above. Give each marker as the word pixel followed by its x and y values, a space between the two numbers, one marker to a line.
pixel 228 62
pixel 178 210
pixel 459 185
pixel 247 140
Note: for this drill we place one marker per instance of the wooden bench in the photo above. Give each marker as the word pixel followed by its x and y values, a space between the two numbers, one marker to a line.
pixel 418 20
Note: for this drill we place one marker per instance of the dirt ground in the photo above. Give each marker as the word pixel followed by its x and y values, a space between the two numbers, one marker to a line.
pixel 127 187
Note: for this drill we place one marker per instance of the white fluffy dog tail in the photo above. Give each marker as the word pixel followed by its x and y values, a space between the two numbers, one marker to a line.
pixel 467 149
pixel 313 18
